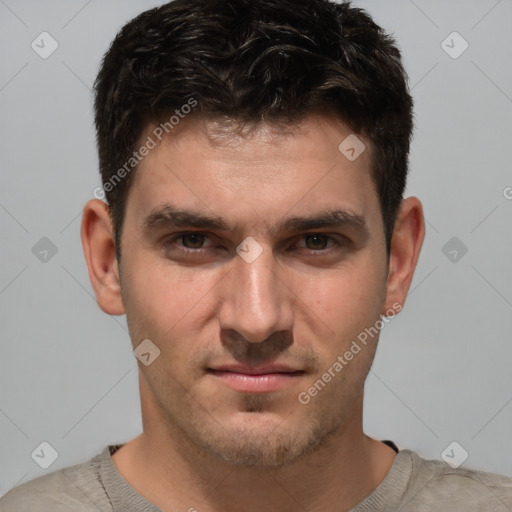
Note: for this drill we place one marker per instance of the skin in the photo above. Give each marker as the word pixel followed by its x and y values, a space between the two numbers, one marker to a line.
pixel 205 445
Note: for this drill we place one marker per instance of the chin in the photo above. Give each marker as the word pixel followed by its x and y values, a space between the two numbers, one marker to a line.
pixel 259 439
pixel 254 450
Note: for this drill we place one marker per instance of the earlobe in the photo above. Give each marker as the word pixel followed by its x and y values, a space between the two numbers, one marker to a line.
pixel 406 243
pixel 99 251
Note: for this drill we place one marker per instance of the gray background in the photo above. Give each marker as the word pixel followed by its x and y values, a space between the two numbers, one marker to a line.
pixel 442 371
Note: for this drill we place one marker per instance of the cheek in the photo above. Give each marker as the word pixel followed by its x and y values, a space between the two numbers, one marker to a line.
pixel 348 300
pixel 161 300
pixel 350 306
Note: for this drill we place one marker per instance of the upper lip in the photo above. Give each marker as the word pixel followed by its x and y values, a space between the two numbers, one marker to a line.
pixel 255 370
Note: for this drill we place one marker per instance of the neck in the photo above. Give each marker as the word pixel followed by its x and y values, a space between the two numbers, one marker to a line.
pixel 169 471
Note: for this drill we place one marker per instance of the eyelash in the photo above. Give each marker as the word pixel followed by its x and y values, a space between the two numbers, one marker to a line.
pixel 336 244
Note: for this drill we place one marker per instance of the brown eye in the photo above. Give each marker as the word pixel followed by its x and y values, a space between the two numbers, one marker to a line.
pixel 318 241
pixel 193 240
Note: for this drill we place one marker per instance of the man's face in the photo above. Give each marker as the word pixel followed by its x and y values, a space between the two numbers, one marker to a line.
pixel 282 308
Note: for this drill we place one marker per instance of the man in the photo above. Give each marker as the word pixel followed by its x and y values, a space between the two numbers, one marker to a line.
pixel 253 156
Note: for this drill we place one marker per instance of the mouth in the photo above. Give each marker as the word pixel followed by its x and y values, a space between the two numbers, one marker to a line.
pixel 247 379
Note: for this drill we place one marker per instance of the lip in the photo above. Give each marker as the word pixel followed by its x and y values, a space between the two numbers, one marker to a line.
pixel 255 370
pixel 249 379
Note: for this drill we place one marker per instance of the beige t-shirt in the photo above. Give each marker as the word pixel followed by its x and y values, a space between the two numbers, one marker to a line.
pixel 413 484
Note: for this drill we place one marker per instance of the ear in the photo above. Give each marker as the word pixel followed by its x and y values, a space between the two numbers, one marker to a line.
pixel 406 243
pixel 99 251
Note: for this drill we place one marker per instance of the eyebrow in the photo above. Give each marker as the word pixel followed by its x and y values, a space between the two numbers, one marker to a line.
pixel 170 216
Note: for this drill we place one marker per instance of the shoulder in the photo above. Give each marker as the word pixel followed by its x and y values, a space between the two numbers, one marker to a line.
pixel 435 485
pixel 74 488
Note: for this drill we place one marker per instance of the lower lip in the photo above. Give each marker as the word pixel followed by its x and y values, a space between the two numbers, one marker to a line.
pixel 264 383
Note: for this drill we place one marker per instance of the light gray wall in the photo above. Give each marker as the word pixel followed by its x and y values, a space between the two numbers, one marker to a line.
pixel 442 371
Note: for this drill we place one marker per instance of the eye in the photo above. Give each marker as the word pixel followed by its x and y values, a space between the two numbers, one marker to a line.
pixel 195 242
pixel 317 241
pixel 191 242
pixel 321 243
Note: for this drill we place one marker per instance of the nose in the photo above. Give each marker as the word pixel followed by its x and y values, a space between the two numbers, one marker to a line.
pixel 257 302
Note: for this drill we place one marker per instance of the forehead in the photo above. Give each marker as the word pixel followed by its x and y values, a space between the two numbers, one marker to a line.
pixel 265 169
